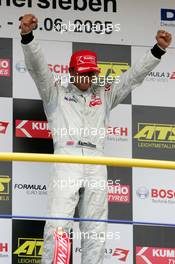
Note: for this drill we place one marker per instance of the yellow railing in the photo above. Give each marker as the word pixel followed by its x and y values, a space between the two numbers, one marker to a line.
pixel 111 161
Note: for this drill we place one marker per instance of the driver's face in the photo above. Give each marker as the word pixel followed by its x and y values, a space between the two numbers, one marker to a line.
pixel 83 81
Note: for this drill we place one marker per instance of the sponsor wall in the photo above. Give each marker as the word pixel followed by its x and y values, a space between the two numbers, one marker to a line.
pixel 141 201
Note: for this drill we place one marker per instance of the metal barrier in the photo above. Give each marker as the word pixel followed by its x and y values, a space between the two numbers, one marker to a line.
pixel 111 161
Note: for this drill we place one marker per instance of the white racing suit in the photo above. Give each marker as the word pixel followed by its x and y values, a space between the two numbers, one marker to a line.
pixel 70 110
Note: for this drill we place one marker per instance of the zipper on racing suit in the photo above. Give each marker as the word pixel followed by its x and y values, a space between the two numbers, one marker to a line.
pixel 83 119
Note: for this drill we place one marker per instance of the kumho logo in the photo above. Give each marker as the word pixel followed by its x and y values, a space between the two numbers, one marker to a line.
pixel 151 255
pixel 156 132
pixel 29 247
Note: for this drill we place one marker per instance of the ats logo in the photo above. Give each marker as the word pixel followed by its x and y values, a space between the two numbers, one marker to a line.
pixel 5 67
pixel 150 135
pixel 152 255
pixel 29 249
pixel 4 187
pixel 112 68
pixel 32 129
pixel 111 71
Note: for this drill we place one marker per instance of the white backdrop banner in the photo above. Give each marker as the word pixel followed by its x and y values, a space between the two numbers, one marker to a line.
pixel 57 55
pixel 119 140
pixel 119 244
pixel 158 87
pixel 30 193
pixel 5 124
pixel 103 21
pixel 5 241
pixel 153 195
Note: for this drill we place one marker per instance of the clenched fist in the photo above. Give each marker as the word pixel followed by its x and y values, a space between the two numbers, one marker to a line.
pixel 28 23
pixel 163 39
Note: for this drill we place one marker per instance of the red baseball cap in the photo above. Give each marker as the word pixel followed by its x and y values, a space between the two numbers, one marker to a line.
pixel 84 61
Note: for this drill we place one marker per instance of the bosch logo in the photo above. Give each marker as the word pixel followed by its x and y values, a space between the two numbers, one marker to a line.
pixel 21 67
pixel 162 193
pixel 117 131
pixel 142 192
pixel 58 68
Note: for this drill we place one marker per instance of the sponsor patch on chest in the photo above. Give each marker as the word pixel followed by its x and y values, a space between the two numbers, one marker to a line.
pixel 95 100
pixel 70 98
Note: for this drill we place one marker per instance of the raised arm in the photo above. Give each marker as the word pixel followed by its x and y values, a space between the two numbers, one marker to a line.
pixel 35 61
pixel 137 73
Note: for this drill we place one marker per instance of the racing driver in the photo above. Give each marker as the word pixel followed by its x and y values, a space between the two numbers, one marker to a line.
pixel 81 106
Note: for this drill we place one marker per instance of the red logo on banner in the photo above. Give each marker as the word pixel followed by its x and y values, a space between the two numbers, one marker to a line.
pixel 118 193
pixel 172 76
pixel 121 254
pixel 59 68
pixel 152 255
pixel 163 193
pixel 117 131
pixel 32 129
pixel 5 67
pixel 3 127
pixel 3 247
